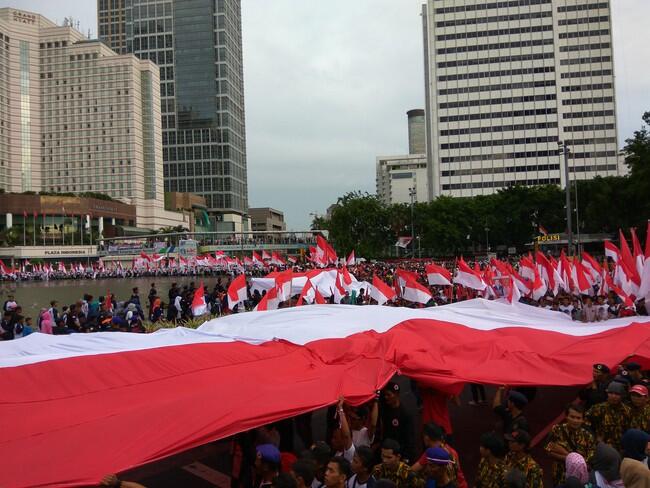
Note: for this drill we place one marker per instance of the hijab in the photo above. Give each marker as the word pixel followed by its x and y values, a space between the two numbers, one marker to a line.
pixel 576 467
pixel 607 462
pixel 634 444
pixel 635 474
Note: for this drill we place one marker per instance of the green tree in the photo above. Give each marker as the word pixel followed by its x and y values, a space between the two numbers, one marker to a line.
pixel 359 222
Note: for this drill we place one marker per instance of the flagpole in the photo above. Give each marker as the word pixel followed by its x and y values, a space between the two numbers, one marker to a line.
pixel 81 229
pixel 43 233
pixel 25 229
pixel 72 222
pixel 35 214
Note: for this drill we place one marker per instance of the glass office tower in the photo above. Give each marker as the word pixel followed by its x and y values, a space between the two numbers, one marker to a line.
pixel 198 46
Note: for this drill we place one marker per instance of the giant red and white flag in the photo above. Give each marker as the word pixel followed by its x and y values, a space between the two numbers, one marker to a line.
pixel 293 359
pixel 438 275
pixel 380 291
pixel 199 306
pixel 416 292
pixel 237 291
pixel 467 277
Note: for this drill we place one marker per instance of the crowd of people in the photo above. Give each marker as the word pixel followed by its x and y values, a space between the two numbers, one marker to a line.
pixel 131 314
pixel 602 441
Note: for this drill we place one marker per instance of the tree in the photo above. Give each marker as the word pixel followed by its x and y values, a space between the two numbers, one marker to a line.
pixel 359 222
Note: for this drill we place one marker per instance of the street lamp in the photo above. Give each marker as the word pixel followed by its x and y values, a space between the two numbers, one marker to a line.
pixel 412 194
pixel 564 149
pixel 487 237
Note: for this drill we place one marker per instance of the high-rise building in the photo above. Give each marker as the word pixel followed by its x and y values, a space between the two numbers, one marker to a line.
pixel 506 81
pixel 75 117
pixel 197 45
pixel 402 178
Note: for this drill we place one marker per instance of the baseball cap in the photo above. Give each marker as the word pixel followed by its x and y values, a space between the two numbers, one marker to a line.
pixel 518 398
pixel 268 452
pixel 391 385
pixel 603 368
pixel 633 366
pixel 639 390
pixel 437 455
pixel 520 436
pixel 616 387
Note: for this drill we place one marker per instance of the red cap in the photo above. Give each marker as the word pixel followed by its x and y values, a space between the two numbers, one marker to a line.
pixel 640 389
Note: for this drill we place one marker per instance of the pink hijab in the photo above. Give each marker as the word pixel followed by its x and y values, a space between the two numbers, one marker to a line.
pixel 577 467
pixel 46 323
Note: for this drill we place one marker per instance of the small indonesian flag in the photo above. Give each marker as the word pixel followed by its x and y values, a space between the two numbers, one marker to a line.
pixel 467 277
pixel 438 275
pixel 612 252
pixel 265 256
pixel 283 285
pixel 309 294
pixel 237 291
pixel 199 307
pixel 380 291
pixel 256 258
pixel 270 301
pixel 351 261
pixel 415 292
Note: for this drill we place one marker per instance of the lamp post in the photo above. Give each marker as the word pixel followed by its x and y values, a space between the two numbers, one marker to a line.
pixel 412 194
pixel 567 186
pixel 487 237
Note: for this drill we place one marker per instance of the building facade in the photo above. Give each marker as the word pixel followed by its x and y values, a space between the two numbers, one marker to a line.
pixel 267 219
pixel 197 45
pixel 78 118
pixel 400 178
pixel 506 81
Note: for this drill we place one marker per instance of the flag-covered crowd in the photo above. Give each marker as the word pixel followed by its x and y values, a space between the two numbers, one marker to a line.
pixel 584 288
pixel 602 441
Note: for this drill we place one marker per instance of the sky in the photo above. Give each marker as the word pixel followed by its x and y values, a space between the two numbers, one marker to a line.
pixel 328 85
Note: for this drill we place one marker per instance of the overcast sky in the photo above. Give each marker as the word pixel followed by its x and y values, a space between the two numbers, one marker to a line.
pixel 328 84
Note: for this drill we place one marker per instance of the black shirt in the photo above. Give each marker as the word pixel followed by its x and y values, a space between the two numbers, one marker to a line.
pixel 397 424
pixel 510 423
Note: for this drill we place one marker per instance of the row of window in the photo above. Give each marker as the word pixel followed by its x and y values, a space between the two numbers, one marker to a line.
pixel 496 157
pixel 498 128
pixel 584 20
pixel 597 59
pixel 593 167
pixel 585 47
pixel 589 127
pixel 587 33
pixel 503 86
pixel 489 6
pixel 495 32
pixel 586 142
pixel 595 86
pixel 507 169
pixel 498 115
pixel 495 18
pixel 499 184
pixel 584 6
pixel 497 73
pixel 495 45
pixel 50 45
pixel 593 154
pixel 499 142
pixel 498 101
pixel 588 114
pixel 497 59
pixel 586 74
pixel 582 101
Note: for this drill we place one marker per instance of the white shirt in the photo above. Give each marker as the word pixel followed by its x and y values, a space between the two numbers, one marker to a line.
pixel 361 438
pixel 348 453
pixel 352 482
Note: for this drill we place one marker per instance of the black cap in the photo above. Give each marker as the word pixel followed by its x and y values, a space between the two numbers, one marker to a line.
pixel 603 368
pixel 633 366
pixel 520 436
pixel 392 386
pixel 518 398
